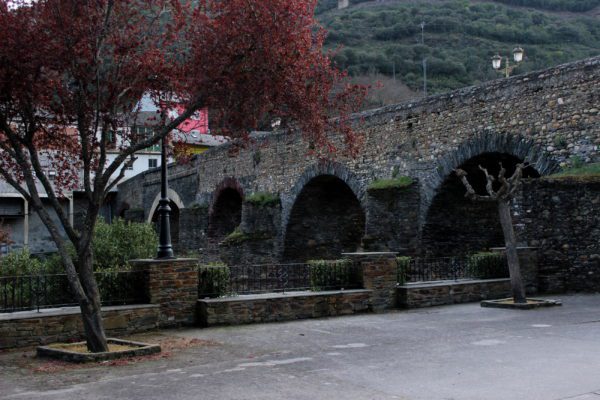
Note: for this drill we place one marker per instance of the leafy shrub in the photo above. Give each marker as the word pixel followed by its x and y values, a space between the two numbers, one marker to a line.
pixel 115 244
pixel 213 280
pixel 19 263
pixel 18 289
pixel 332 274
pixel 53 263
pixel 487 265
pixel 403 264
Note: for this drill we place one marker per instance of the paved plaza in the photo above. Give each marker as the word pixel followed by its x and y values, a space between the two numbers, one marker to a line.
pixel 452 352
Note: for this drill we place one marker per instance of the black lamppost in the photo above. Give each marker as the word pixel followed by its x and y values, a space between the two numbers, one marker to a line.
pixel 165 249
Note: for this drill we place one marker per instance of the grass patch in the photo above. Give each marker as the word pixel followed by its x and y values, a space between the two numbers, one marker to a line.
pixel 238 236
pixel 400 182
pixel 580 171
pixel 263 199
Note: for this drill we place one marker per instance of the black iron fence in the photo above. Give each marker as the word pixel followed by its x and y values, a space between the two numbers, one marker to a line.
pixel 215 281
pixel 31 292
pixel 475 266
pixel 432 269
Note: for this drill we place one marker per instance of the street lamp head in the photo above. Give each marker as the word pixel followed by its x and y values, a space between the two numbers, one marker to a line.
pixel 518 54
pixel 497 61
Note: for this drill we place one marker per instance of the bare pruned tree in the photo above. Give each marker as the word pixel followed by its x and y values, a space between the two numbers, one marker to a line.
pixel 502 196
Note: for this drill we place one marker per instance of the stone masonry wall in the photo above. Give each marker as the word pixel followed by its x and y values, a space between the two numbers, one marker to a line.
pixel 281 307
pixel 258 240
pixel 562 218
pixel 193 226
pixel 32 328
pixel 551 118
pixel 392 219
pixel 441 293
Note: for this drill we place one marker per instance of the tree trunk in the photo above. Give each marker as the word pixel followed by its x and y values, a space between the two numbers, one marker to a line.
pixel 516 282
pixel 94 331
pixel 91 308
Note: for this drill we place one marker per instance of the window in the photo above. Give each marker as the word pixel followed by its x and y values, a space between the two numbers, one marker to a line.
pixel 144 132
pixel 111 139
pixel 152 163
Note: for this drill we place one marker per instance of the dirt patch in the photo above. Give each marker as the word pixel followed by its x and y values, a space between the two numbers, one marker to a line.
pixel 82 348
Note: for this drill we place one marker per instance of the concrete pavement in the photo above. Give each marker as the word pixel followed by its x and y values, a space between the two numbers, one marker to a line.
pixel 451 352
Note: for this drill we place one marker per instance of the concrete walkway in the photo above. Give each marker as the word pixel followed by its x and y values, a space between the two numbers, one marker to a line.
pixel 452 352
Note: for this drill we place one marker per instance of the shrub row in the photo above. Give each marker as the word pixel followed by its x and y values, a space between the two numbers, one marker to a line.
pixel 113 245
pixel 332 274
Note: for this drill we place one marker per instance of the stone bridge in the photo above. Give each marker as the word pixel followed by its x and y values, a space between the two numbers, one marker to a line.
pixel 274 202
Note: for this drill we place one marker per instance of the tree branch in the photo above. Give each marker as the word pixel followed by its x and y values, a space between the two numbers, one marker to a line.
pixel 489 187
pixel 471 194
pixel 63 218
pixel 158 135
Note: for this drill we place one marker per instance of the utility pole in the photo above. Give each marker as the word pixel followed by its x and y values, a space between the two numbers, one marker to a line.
pixel 424 60
pixel 424 77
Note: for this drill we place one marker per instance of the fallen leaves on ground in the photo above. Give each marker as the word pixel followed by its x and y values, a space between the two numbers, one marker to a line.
pixel 170 345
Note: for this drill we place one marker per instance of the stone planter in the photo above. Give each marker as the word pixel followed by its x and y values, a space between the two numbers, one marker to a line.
pixel 531 304
pixel 64 354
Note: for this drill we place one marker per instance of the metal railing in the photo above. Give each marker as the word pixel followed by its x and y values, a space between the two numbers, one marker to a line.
pixel 434 269
pixel 273 278
pixel 31 292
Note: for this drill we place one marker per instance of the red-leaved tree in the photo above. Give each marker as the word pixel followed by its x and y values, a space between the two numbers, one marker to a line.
pixel 72 73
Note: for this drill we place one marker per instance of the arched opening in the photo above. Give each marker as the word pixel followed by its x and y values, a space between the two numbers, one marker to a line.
pixel 226 214
pixel 456 225
pixel 326 220
pixel 173 222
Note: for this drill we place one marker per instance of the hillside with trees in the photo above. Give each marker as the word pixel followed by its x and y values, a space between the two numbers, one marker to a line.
pixel 459 37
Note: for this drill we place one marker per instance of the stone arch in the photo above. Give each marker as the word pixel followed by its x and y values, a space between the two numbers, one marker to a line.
pixel 453 225
pixel 332 168
pixel 225 211
pixel 323 215
pixel 513 144
pixel 172 195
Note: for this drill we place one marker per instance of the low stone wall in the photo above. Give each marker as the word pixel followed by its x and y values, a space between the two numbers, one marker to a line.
pixel 34 328
pixel 427 294
pixel 274 307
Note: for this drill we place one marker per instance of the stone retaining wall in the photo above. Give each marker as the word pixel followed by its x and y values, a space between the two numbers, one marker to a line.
pixel 275 307
pixel 427 294
pixel 562 218
pixel 31 328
